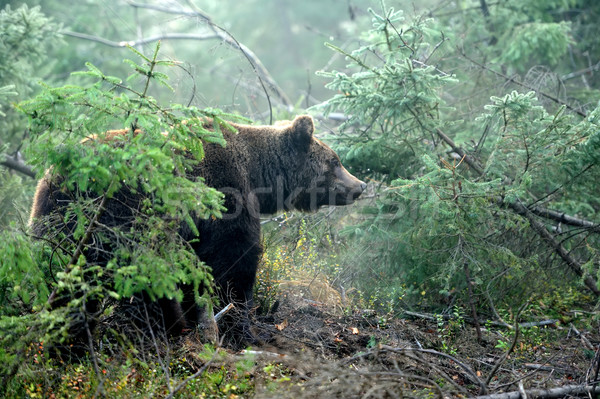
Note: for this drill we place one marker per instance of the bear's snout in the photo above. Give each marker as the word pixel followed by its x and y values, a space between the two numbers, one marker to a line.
pixel 349 187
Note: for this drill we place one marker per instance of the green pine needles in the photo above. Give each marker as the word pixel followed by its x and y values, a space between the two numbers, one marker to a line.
pixel 69 138
pixel 465 209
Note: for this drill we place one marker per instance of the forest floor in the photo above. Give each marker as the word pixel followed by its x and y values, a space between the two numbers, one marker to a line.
pixel 321 352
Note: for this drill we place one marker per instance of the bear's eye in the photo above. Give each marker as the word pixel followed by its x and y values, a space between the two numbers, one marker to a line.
pixel 334 162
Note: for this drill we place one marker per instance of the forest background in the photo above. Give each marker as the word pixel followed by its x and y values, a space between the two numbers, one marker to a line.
pixel 474 122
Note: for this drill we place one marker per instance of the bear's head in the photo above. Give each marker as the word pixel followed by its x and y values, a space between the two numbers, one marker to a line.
pixel 319 177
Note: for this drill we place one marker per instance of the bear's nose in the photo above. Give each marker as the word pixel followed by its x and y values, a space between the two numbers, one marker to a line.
pixel 363 186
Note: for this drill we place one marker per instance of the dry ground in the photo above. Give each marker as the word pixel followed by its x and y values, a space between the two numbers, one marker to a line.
pixel 324 353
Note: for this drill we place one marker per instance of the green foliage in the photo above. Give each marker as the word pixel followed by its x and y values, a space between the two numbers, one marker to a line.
pixel 392 93
pixel 149 159
pixel 440 216
pixel 27 37
pixel 19 265
pixel 131 377
pixel 546 42
pixel 300 257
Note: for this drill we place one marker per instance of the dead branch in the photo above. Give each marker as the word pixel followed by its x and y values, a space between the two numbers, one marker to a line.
pixel 16 163
pixel 227 38
pixel 138 42
pixel 559 392
pixel 526 86
pixel 590 69
pixel 494 323
pixel 561 217
pixel 221 313
pixel 468 159
pixel 259 68
pixel 565 255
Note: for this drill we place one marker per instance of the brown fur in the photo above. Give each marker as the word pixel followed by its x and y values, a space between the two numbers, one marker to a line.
pixel 261 170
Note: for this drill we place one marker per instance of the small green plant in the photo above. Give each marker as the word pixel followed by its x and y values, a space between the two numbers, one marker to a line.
pixel 448 330
pixel 306 262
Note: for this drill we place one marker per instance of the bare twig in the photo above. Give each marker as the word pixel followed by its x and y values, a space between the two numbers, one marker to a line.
pixel 218 33
pixel 260 70
pixel 139 42
pixel 156 348
pixel 92 352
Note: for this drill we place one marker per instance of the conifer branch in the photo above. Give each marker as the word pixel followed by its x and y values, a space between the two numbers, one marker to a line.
pixel 536 225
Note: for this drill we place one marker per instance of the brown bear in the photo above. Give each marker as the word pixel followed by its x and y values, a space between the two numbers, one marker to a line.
pixel 261 170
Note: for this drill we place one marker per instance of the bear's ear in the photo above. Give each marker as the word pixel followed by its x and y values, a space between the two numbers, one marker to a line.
pixel 302 131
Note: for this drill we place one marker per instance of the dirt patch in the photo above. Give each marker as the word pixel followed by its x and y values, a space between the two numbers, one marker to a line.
pixel 328 353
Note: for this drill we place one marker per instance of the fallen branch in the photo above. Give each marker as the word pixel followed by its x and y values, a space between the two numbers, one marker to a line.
pixel 273 355
pixel 586 342
pixel 494 323
pixel 559 392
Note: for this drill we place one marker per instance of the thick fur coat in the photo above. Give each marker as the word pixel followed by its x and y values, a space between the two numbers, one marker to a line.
pixel 261 170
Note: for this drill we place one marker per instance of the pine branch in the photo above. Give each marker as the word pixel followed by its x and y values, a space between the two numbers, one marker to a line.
pixel 537 226
pixel 538 210
pixel 543 232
